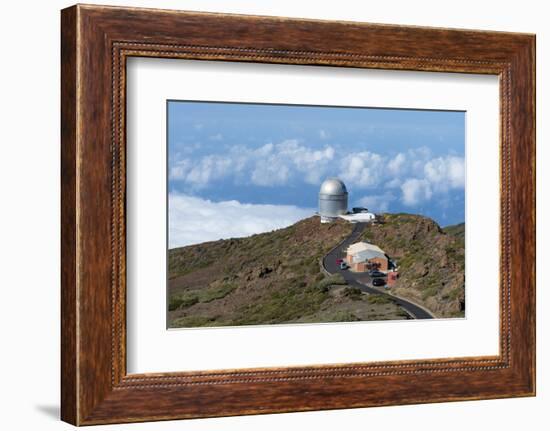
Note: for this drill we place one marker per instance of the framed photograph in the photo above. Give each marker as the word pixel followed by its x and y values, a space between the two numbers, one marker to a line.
pixel 264 214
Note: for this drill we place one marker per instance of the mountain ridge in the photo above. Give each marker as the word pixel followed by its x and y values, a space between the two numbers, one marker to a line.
pixel 275 277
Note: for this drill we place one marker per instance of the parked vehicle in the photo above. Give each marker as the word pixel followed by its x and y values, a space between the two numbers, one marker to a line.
pixel 378 282
pixel 376 274
pixel 344 265
pixel 339 261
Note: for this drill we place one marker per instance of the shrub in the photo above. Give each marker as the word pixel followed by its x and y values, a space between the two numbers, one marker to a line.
pixel 286 304
pixel 206 294
pixel 342 316
pixel 194 321
pixel 182 301
pixel 213 293
pixel 430 291
pixel 455 293
pixel 353 293
pixel 314 267
pixel 379 299
pixel 329 281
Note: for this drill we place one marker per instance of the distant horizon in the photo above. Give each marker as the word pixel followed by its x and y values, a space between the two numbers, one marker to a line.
pixel 235 169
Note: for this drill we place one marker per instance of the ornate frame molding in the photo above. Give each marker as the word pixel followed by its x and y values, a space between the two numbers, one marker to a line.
pixel 96 41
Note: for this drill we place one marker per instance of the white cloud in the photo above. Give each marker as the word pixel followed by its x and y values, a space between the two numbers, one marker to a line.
pixel 364 169
pixel 416 175
pixel 377 202
pixel 421 176
pixel 394 183
pixel 268 165
pixel 310 164
pixel 446 172
pixel 269 172
pixel 193 220
pixel 178 171
pixel 264 150
pixel 208 169
pixel 397 164
pixel 416 191
pixel 190 148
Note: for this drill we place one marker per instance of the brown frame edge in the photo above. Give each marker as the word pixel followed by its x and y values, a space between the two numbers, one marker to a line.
pixel 95 42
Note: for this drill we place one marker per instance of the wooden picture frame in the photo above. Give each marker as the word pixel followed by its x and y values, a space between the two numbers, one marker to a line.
pixel 95 43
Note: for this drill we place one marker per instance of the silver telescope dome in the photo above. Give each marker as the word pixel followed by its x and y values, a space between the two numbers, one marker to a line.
pixel 333 186
pixel 333 199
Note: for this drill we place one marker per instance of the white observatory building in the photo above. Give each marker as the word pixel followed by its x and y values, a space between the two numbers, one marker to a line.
pixel 333 200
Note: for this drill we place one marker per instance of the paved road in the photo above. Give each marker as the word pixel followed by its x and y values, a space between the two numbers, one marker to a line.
pixel 358 280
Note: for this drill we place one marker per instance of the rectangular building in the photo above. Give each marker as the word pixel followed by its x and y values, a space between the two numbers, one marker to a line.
pixel 362 257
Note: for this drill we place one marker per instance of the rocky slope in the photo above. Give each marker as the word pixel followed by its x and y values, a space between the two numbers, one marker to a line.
pixel 430 260
pixel 267 278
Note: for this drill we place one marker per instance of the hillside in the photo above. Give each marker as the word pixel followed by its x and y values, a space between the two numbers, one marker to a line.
pixel 272 277
pixel 456 230
pixel 430 260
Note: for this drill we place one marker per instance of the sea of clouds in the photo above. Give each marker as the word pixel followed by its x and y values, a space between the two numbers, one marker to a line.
pixel 413 177
pixel 193 220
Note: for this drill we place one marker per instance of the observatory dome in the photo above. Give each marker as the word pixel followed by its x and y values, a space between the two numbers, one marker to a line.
pixel 333 199
pixel 333 186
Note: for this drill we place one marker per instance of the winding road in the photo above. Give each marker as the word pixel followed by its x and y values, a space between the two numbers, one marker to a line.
pixel 359 280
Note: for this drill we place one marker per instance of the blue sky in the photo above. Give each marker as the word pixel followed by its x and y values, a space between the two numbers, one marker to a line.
pixel 256 160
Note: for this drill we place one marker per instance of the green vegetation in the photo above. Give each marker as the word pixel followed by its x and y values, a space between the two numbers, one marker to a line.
pixel 216 292
pixel 342 316
pixel 278 273
pixel 193 297
pixel 320 276
pixel 457 230
pixel 380 299
pixel 353 293
pixel 428 292
pixel 275 277
pixel 335 279
pixel 282 306
pixel 455 293
pixel 182 301
pixel 194 321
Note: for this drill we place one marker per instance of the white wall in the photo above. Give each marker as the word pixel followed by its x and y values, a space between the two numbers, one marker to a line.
pixel 29 220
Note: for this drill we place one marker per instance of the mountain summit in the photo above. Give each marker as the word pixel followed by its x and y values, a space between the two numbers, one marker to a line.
pixel 276 277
